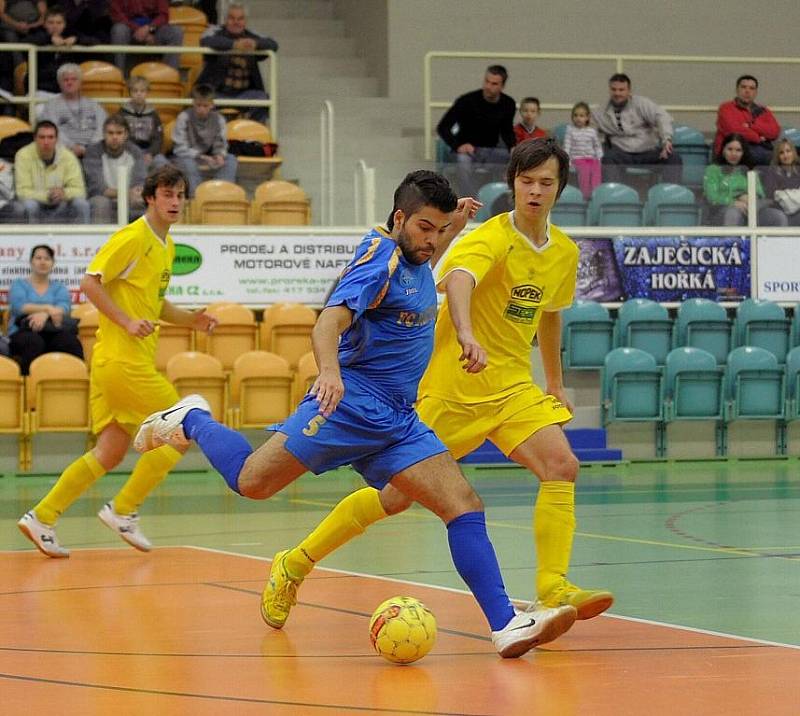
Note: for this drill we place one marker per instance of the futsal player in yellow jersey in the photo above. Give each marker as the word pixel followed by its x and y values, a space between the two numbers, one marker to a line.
pixel 127 281
pixel 505 283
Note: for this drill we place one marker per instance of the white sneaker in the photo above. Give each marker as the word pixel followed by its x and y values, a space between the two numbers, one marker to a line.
pixel 42 535
pixel 165 426
pixel 533 627
pixel 126 526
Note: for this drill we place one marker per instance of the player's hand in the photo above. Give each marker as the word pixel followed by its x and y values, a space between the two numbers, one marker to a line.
pixel 466 149
pixel 204 322
pixel 560 394
pixel 666 150
pixel 328 388
pixel 139 327
pixel 473 356
pixel 466 209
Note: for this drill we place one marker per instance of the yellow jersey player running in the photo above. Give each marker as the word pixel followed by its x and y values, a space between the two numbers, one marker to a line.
pixel 505 283
pixel 127 281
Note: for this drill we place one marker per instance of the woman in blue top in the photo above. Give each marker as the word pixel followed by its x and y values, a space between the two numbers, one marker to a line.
pixel 39 307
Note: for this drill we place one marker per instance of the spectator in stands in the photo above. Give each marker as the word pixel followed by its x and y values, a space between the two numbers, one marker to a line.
pixel 753 122
pixel 199 141
pixel 49 180
pixel 231 75
pixel 144 124
pixel 144 22
pixel 88 20
pixel 101 165
pixel 19 17
pixel 52 33
pixel 637 131
pixel 725 183
pixel 39 320
pixel 79 119
pixel 529 115
pixel 11 212
pixel 479 129
pixel 782 187
pixel 585 149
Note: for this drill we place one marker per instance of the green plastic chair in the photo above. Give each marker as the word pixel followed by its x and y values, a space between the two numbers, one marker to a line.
pixel 646 325
pixel 570 209
pixel 614 204
pixel 587 335
pixel 793 384
pixel 487 194
pixel 754 385
pixel 692 385
pixel 702 323
pixel 793 135
pixel 631 386
pixel 694 151
pixel 763 324
pixel 671 205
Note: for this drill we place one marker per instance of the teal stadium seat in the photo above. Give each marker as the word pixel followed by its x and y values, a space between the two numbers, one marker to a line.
pixel 614 204
pixel 692 385
pixel 793 135
pixel 691 145
pixel 570 209
pixel 763 324
pixel 559 132
pixel 671 205
pixel 796 326
pixel 646 325
pixel 587 335
pixel 754 385
pixel 793 384
pixel 487 195
pixel 631 385
pixel 702 323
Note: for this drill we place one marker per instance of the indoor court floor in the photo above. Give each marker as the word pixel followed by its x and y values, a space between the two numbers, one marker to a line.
pixel 704 559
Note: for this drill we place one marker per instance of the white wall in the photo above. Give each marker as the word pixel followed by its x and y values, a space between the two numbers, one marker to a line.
pixel 368 20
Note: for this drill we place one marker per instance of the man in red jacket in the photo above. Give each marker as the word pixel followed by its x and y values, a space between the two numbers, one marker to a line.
pixel 754 122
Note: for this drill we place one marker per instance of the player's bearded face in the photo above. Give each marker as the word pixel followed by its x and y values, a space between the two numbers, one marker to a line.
pixel 418 234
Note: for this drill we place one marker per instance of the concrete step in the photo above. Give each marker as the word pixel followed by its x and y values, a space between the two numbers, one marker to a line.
pixel 304 46
pixel 290 9
pixel 285 28
pixel 302 72
pixel 312 92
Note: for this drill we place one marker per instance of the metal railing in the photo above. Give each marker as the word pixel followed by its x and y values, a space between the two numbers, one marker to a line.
pixel 364 194
pixel 619 66
pixel 326 144
pixel 32 51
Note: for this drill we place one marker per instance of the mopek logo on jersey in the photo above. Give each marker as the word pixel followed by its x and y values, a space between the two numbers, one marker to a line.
pixel 527 292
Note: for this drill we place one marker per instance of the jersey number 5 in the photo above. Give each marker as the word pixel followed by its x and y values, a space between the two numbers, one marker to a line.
pixel 314 425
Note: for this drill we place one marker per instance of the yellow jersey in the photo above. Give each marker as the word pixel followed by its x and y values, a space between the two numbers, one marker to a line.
pixel 135 267
pixel 514 282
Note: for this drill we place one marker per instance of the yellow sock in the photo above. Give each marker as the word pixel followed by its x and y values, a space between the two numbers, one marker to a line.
pixel 553 528
pixel 74 481
pixel 150 469
pixel 348 519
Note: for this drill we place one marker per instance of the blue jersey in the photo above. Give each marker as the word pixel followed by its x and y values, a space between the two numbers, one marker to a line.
pixel 387 347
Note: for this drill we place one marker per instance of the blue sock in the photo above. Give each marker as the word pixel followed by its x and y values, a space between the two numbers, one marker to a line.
pixel 225 449
pixel 475 560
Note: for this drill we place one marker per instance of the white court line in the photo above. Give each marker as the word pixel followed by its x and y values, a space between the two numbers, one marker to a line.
pixel 649 622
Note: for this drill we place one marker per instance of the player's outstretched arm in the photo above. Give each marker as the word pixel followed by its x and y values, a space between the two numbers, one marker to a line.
pixel 466 210
pixel 459 286
pixel 328 387
pixel 92 287
pixel 199 320
pixel 549 335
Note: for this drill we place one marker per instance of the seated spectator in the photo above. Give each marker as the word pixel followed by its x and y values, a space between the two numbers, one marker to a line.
pixel 236 76
pixel 101 165
pixel 88 20
pixel 144 124
pixel 474 127
pixel 39 320
pixel 144 22
pixel 199 141
pixel 585 149
pixel 753 122
pixel 782 187
pixel 79 119
pixel 49 179
pixel 529 116
pixel 725 183
pixel 19 17
pixel 11 211
pixel 47 63
pixel 637 131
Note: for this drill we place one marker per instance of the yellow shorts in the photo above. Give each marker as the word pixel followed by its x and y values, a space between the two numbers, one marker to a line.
pixel 127 394
pixel 507 422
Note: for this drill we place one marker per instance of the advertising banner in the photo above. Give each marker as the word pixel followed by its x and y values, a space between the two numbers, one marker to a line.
pixel 778 268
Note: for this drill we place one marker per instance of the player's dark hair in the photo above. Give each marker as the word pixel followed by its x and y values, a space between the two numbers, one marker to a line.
pixel 167 175
pixel 47 248
pixel 45 124
pixel 533 153
pixel 620 77
pixel 530 100
pixel 422 188
pixel 746 77
pixel 747 159
pixel 498 70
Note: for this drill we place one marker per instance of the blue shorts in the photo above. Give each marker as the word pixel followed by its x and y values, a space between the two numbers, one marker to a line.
pixel 379 440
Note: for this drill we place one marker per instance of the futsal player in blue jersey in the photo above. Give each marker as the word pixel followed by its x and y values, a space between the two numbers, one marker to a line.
pixel 372 343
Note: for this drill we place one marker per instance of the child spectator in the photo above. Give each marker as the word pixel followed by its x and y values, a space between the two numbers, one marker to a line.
pixel 199 141
pixel 782 187
pixel 585 149
pixel 51 33
pixel 529 114
pixel 101 165
pixel 144 124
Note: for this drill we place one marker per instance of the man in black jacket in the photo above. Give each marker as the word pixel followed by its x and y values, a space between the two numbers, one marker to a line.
pixel 479 129
pixel 236 76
